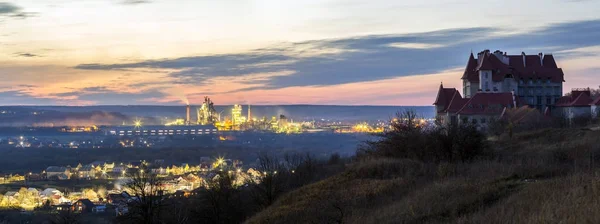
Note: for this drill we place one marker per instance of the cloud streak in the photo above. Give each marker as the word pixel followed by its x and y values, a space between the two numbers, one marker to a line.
pixel 14 11
pixel 135 2
pixel 367 58
pixel 7 8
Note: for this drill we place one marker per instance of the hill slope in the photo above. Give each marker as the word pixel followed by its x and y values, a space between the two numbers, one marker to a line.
pixel 545 176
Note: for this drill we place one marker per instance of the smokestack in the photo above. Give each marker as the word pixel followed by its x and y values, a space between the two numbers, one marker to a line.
pixel 249 113
pixel 187 114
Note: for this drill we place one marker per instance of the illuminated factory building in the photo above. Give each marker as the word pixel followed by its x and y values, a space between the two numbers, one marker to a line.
pixel 158 130
pixel 236 116
pixel 206 113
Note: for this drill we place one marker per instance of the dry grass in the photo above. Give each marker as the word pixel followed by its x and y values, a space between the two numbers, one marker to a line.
pixel 546 176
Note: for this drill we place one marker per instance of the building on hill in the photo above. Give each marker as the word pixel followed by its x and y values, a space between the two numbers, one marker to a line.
pixel 578 104
pixel 496 82
pixel 534 78
pixel 452 108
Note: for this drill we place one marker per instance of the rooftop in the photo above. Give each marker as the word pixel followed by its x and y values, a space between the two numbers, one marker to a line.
pixel 519 66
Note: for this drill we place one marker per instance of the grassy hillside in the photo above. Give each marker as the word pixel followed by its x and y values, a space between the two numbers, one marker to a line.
pixel 547 176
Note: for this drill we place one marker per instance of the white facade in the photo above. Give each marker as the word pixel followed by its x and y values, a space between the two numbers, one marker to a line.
pixel 573 112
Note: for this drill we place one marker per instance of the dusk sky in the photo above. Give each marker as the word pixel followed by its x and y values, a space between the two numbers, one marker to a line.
pixel 377 52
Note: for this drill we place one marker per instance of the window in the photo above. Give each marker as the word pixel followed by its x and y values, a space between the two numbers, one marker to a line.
pixel 465 119
pixel 483 120
pixel 539 100
pixel 487 86
pixel 474 121
pixel 548 100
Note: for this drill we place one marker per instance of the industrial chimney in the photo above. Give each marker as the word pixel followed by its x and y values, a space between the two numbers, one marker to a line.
pixel 187 115
pixel 249 113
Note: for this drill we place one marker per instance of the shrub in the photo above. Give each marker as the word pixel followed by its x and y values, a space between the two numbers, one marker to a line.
pixel 409 139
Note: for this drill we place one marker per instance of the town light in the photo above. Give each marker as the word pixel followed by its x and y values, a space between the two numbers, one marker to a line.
pixel 137 123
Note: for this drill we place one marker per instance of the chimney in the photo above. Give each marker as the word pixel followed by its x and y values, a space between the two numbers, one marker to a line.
pixel 249 113
pixel 187 114
pixel 541 58
pixel 524 60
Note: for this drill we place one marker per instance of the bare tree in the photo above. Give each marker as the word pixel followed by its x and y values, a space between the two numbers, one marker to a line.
pixel 272 183
pixel 221 201
pixel 149 197
pixel 66 216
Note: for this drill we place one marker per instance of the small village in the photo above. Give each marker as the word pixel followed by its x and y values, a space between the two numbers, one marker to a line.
pixel 176 181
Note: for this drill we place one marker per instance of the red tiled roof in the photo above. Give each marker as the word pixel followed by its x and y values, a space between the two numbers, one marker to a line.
pixel 470 71
pixel 456 104
pixel 444 96
pixel 487 104
pixel 576 99
pixel 533 68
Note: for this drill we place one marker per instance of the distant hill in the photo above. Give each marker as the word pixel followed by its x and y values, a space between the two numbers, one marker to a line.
pixel 38 117
pixel 299 112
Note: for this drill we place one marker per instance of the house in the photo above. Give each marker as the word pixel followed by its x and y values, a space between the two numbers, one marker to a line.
pixel 577 104
pixel 108 167
pixel 119 170
pixel 49 192
pixel 87 172
pixel 33 191
pixel 62 207
pixel 83 205
pixel 121 198
pixel 159 171
pixel 11 196
pixel 534 78
pixel 99 209
pixel 57 172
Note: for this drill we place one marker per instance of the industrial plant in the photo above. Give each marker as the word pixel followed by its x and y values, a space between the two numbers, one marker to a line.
pixel 208 121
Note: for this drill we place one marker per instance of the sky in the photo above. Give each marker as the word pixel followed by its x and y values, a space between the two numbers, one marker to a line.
pixel 330 52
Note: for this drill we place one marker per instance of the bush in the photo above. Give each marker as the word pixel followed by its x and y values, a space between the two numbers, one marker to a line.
pixel 408 138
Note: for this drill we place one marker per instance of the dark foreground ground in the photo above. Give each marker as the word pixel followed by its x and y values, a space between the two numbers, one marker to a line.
pixel 548 176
